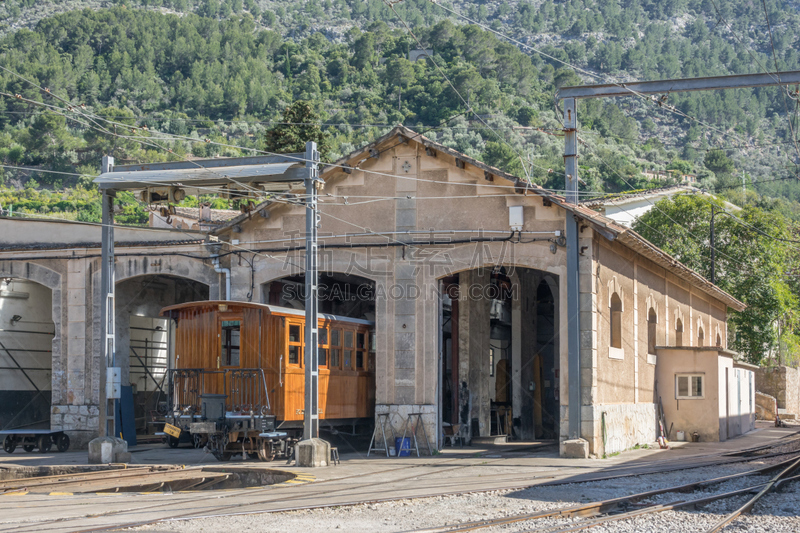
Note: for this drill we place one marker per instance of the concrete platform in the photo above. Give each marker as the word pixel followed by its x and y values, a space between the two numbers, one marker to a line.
pixel 356 479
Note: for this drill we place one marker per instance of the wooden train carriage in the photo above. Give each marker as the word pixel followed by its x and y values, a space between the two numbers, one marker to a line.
pixel 222 336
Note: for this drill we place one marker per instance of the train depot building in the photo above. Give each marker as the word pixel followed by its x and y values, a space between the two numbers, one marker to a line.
pixel 458 269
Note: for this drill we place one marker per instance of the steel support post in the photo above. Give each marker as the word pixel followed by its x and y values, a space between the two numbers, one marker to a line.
pixel 573 287
pixel 311 410
pixel 107 326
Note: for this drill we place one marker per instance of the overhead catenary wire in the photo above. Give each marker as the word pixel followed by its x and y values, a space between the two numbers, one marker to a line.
pixel 299 159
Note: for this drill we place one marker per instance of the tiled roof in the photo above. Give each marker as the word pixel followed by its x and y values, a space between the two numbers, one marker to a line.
pixel 603 225
pixel 623 197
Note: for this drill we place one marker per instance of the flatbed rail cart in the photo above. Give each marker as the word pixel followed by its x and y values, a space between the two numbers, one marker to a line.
pixel 34 439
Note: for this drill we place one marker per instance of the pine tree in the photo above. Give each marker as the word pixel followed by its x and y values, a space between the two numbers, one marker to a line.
pixel 300 124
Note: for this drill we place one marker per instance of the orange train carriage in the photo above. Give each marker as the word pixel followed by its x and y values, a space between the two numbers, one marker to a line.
pixel 238 381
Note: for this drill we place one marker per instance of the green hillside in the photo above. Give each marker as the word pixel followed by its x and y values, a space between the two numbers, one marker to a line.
pixel 224 72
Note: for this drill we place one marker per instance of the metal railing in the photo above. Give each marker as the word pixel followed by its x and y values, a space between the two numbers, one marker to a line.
pixel 248 391
pixel 245 388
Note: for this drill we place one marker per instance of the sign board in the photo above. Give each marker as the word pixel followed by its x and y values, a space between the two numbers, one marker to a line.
pixel 172 431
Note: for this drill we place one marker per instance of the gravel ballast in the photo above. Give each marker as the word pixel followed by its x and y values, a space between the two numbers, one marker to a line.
pixel 776 512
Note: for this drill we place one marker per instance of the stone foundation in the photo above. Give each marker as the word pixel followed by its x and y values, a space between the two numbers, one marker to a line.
pixel 81 422
pixel 626 425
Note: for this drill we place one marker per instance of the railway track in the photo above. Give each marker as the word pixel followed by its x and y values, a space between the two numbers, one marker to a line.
pixel 616 509
pixel 273 497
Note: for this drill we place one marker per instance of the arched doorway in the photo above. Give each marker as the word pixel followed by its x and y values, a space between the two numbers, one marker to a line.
pixel 144 339
pixel 27 331
pixel 500 346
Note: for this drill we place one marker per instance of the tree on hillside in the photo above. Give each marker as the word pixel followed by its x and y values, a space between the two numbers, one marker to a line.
pixel 502 156
pixel 717 162
pixel 299 124
pixel 750 264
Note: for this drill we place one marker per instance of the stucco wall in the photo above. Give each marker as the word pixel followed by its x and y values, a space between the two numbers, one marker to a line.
pixel 727 408
pixel 701 415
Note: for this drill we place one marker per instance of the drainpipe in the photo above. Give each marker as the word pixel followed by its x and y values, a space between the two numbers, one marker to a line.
pixel 221 270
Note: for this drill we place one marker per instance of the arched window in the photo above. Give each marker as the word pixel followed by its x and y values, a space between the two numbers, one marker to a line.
pixel 719 341
pixel 616 321
pixel 700 336
pixel 679 333
pixel 651 331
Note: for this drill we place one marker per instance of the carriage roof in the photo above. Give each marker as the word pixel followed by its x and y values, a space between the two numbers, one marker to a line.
pixel 272 309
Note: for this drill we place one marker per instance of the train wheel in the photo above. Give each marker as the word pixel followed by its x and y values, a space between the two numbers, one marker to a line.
pixel 224 456
pixel 29 447
pixel 9 444
pixel 266 452
pixel 62 444
pixel 173 442
pixel 44 443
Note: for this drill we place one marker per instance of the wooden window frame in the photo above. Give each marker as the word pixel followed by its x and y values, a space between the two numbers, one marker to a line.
pixel 222 360
pixel 337 346
pixel 690 376
pixel 324 346
pixel 363 352
pixel 299 344
pixel 351 348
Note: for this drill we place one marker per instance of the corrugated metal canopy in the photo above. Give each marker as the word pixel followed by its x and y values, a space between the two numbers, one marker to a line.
pixel 202 173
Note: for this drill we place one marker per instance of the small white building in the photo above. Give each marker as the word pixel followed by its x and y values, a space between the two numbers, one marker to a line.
pixel 626 208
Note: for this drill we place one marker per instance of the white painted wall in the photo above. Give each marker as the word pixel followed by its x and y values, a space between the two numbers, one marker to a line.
pixel 148 341
pixel 29 340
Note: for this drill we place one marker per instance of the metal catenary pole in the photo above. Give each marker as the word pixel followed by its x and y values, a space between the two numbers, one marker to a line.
pixel 311 410
pixel 570 96
pixel 573 288
pixel 107 325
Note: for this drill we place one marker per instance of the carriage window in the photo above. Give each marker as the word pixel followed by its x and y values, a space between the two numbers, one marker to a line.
pixel 336 343
pixel 322 349
pixel 348 354
pixel 230 342
pixel 295 346
pixel 361 345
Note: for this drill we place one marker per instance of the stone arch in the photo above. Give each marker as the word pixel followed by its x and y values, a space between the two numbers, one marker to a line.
pixel 651 303
pixel 199 270
pixel 701 332
pixel 615 287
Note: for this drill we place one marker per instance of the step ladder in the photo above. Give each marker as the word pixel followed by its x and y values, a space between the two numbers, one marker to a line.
pixel 410 424
pixel 383 421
